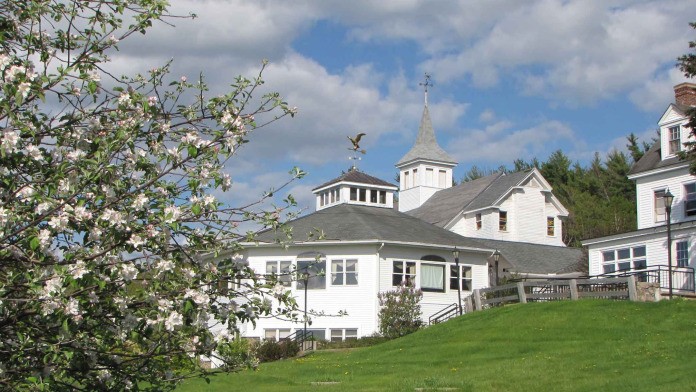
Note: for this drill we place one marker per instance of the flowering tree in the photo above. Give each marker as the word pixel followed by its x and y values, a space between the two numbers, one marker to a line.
pixel 400 311
pixel 107 206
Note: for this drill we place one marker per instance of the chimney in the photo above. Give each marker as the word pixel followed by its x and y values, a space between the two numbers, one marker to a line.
pixel 685 94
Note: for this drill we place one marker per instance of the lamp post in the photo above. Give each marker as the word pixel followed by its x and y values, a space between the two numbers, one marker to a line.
pixel 455 253
pixel 305 280
pixel 667 199
pixel 496 258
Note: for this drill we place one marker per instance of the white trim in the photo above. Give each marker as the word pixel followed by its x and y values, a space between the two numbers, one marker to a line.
pixel 675 166
pixel 361 184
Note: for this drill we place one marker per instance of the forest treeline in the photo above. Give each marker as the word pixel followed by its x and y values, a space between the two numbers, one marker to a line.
pixel 600 198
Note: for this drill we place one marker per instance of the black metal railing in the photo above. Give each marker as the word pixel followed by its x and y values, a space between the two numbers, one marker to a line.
pixel 682 277
pixel 302 338
pixel 444 314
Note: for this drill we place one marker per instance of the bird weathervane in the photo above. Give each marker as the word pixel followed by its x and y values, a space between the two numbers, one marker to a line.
pixel 427 83
pixel 355 141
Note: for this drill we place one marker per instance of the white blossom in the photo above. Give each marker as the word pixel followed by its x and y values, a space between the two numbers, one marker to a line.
pixel 136 241
pixel 94 76
pixel 139 202
pixel 199 297
pixel 73 309
pixel 26 192
pixel 9 140
pixel 44 237
pixel 52 286
pixel 23 89
pixel 59 222
pixel 34 152
pixel 128 272
pixel 3 215
pixel 81 213
pixel 174 320
pixel 115 218
pixel 171 214
pixel 164 265
pixel 79 270
pixel 75 155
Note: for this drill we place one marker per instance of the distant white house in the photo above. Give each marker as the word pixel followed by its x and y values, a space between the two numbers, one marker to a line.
pixel 657 172
pixel 357 244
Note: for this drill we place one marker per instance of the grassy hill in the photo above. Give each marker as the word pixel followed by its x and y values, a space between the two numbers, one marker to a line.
pixel 588 345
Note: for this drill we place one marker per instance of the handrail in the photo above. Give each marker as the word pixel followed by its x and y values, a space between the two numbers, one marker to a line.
pixel 444 314
pixel 683 278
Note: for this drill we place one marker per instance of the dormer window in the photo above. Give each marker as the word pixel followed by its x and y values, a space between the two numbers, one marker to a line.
pixel 674 134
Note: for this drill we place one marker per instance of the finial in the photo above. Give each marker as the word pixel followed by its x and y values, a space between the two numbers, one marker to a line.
pixel 356 147
pixel 425 85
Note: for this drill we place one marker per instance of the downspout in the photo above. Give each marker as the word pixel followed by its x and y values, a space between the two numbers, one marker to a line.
pixel 379 288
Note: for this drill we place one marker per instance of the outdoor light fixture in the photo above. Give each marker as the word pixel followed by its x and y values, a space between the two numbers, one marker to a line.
pixel 667 199
pixel 455 253
pixel 496 258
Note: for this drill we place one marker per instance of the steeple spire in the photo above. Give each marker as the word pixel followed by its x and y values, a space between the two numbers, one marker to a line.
pixel 425 85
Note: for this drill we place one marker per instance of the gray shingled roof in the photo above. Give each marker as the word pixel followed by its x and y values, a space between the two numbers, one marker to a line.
pixel 356 176
pixel 444 205
pixel 346 222
pixel 426 146
pixel 652 159
pixel 537 258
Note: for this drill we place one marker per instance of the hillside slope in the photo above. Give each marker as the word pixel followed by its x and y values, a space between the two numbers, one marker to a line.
pixel 585 345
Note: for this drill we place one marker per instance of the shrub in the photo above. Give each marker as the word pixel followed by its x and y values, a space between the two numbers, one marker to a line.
pixel 270 350
pixel 238 354
pixel 400 312
pixel 352 343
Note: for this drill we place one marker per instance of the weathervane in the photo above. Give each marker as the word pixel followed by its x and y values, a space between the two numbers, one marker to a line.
pixel 355 141
pixel 426 84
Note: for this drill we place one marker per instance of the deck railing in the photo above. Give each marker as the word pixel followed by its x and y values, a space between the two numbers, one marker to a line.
pixel 682 277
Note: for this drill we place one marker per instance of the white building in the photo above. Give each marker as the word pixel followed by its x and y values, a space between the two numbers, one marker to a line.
pixel 645 251
pixel 357 244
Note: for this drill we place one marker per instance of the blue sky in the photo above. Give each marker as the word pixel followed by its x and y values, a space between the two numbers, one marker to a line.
pixel 512 79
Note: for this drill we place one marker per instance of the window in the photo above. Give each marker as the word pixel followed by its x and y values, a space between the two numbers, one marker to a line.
pixel 279 271
pixel 344 272
pixel 317 274
pixel 550 226
pixel 354 194
pixel 442 179
pixel 502 220
pixel 690 199
pixel 373 196
pixel 479 223
pixel 407 180
pixel 658 200
pixel 624 259
pixel 429 174
pixel 226 284
pixel 338 335
pixel 415 177
pixel 682 254
pixel 363 194
pixel 432 277
pixel 333 196
pixel 403 272
pixel 317 334
pixel 382 197
pixel 460 276
pixel 276 334
pixel 321 199
pixel 674 135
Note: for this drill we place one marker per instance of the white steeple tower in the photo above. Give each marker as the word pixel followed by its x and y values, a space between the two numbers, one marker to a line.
pixel 426 168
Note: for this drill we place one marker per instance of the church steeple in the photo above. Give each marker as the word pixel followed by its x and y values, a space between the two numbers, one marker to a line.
pixel 426 168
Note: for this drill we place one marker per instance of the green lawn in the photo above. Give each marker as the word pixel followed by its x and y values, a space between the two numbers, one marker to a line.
pixel 589 345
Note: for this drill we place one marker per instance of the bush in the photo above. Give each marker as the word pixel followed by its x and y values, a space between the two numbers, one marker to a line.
pixel 238 354
pixel 270 350
pixel 400 312
pixel 352 343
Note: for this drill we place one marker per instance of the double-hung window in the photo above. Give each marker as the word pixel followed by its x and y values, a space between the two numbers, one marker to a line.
pixel 315 273
pixel 550 226
pixel 279 271
pixel 479 222
pixel 502 220
pixel 658 201
pixel 404 272
pixel 690 199
pixel 276 334
pixel 338 335
pixel 461 276
pixel 344 272
pixel 682 254
pixel 674 134
pixel 432 277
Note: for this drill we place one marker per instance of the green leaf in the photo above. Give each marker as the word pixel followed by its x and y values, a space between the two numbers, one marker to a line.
pixel 34 243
